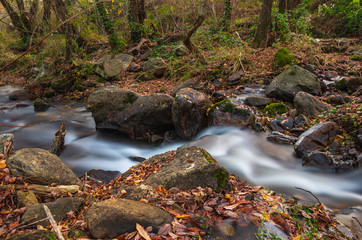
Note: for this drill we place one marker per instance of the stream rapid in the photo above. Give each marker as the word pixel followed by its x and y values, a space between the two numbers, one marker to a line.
pixel 245 153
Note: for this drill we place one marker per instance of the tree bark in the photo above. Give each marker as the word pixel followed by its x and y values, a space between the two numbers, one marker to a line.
pixel 287 5
pixel 47 7
pixel 22 20
pixel 108 27
pixel 136 16
pixel 226 17
pixel 264 26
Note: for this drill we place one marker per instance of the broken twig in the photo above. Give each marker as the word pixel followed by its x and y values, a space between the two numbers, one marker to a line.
pixel 53 223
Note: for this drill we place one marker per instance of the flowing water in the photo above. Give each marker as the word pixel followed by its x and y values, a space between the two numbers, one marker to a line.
pixel 245 153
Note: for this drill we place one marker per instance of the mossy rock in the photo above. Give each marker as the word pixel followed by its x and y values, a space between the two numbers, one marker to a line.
pixel 341 84
pixel 142 77
pixel 283 57
pixel 356 58
pixel 275 108
pixel 40 105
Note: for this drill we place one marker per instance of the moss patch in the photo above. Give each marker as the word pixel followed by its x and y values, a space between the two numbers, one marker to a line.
pixel 283 57
pixel 356 58
pixel 208 156
pixel 275 108
pixel 130 98
pixel 221 178
pixel 227 106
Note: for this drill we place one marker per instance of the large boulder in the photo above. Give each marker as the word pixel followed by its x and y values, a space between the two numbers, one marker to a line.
pixel 189 168
pixel 293 80
pixel 317 137
pixel 353 84
pixel 59 209
pixel 230 113
pixel 309 105
pixel 189 112
pixel 257 101
pixel 41 166
pixel 106 105
pixel 110 66
pixel 140 117
pixel 114 217
pixel 156 66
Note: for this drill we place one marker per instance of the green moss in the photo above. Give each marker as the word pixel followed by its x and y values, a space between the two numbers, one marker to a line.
pixel 221 178
pixel 227 106
pixel 275 108
pixel 130 98
pixel 283 57
pixel 356 58
pixel 208 156
pixel 142 77
pixel 40 105
pixel 341 84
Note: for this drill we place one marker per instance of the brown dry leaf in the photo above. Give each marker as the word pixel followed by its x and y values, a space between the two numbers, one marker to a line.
pixel 165 229
pixel 142 232
pixel 296 238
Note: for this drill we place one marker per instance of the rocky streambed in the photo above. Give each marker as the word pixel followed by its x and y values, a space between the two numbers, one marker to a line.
pixel 191 173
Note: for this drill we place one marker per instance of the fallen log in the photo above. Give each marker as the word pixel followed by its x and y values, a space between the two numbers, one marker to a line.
pixel 41 189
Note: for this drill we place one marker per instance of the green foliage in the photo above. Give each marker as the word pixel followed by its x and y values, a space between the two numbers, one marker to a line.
pixel 283 57
pixel 296 21
pixel 349 11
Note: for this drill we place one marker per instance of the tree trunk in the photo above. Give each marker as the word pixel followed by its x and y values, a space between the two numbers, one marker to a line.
pixel 22 20
pixel 288 5
pixel 264 26
pixel 108 27
pixel 47 7
pixel 226 18
pixel 136 16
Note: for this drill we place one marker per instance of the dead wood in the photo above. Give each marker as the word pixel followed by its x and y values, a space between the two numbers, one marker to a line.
pixel 58 141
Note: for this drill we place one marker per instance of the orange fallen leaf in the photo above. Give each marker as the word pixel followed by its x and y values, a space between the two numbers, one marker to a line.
pixel 183 216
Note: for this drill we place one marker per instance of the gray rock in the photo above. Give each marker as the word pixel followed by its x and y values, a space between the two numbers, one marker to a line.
pixel 293 80
pixel 338 99
pixel 281 138
pixel 353 84
pixel 185 84
pixel 20 94
pixel 41 166
pixel 301 120
pixel 309 105
pixel 113 217
pixel 284 123
pixel 191 167
pixel 26 199
pixel 257 101
pixel 110 66
pixel 230 113
pixel 181 50
pixel 59 208
pixel 318 159
pixel 317 137
pixel 104 176
pixel 156 66
pixel 351 217
pixel 107 103
pixel 139 117
pixel 32 235
pixel 235 77
pixel 189 112
pixel 5 137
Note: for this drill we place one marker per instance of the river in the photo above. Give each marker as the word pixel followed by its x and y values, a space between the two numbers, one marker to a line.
pixel 245 153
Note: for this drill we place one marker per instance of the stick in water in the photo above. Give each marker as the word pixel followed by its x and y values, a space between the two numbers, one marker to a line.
pixel 53 223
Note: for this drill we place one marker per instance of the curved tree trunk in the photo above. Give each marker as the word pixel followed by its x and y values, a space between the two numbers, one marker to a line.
pixel 264 26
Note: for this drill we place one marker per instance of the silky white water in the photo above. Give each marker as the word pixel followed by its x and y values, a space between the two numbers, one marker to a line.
pixel 244 153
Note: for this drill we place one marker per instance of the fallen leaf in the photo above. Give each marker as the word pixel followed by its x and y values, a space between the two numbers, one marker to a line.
pixel 142 232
